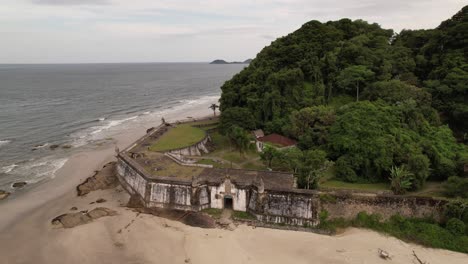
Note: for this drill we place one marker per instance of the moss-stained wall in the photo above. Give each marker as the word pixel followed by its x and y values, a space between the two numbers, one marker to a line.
pixel 348 205
pixel 132 178
pixel 293 207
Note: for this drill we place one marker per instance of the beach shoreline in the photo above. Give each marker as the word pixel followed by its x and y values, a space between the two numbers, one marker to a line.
pixel 131 237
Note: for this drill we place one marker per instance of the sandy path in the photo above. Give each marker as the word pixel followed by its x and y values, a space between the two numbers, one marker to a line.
pixel 26 235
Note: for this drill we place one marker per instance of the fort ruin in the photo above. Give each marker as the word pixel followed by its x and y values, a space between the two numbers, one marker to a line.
pixel 170 180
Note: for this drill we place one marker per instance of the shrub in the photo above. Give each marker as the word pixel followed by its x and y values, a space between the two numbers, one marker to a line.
pixel 457 209
pixel 363 219
pixel 456 226
pixel 400 179
pixel 345 171
pixel 323 215
pixel 456 187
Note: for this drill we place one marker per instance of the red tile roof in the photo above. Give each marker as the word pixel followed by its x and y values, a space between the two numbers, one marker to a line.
pixel 278 139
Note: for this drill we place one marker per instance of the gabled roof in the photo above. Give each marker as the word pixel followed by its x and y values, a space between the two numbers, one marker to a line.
pixel 258 133
pixel 278 140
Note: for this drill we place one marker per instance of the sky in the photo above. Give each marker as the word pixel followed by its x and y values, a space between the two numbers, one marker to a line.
pixel 93 31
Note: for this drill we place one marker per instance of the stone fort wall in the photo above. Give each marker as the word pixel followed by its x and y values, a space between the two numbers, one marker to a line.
pixel 291 207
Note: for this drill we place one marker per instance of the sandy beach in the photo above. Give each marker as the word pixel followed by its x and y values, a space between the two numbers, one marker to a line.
pixel 27 236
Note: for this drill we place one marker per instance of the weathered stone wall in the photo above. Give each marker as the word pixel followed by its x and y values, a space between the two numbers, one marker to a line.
pixel 292 207
pixel 131 179
pixel 349 205
pixel 195 150
pixel 170 196
pixel 238 195
pixel 285 208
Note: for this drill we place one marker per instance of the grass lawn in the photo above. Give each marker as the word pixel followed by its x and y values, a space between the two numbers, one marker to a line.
pixel 213 212
pixel 178 137
pixel 226 151
pixel 243 215
pixel 356 186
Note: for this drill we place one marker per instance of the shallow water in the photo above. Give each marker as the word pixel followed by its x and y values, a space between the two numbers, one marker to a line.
pixel 81 104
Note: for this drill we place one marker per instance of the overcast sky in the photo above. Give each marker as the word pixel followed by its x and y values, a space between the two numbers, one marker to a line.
pixel 80 31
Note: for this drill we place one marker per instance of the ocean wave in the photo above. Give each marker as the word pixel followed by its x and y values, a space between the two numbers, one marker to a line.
pixel 38 170
pixel 101 119
pixel 110 125
pixel 31 171
pixel 40 146
pixel 4 142
pixel 8 169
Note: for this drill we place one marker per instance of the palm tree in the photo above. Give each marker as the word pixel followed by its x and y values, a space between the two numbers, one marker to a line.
pixel 400 179
pixel 213 107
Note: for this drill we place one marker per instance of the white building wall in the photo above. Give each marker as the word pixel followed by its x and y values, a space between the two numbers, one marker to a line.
pixel 216 196
pixel 160 193
pixel 239 197
pixel 239 200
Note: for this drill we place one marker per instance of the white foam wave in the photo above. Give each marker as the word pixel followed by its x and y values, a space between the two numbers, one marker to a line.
pixel 9 168
pixel 101 119
pixel 40 146
pixel 41 169
pixel 109 127
pixel 4 142
pixel 31 171
pixel 111 124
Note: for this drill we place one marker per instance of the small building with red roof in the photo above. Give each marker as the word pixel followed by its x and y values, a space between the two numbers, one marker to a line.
pixel 275 140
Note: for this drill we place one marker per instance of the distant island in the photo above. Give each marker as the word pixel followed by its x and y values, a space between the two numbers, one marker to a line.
pixel 234 62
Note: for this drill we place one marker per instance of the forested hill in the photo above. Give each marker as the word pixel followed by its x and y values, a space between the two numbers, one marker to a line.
pixel 369 97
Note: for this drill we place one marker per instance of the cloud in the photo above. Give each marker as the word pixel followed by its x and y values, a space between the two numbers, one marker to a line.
pixel 70 2
pixel 183 30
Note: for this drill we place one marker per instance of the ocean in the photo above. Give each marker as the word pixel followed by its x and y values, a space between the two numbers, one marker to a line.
pixel 81 105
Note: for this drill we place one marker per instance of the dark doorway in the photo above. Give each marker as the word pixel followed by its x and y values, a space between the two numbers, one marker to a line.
pixel 227 202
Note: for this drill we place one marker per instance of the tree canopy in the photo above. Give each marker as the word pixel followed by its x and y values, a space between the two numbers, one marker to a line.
pixel 369 98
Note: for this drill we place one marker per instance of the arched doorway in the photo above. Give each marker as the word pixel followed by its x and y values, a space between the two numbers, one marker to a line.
pixel 228 202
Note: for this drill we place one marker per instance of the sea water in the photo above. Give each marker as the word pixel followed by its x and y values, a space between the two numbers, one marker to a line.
pixel 82 104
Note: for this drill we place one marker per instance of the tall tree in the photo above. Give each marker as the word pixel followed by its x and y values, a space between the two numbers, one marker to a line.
pixel 356 75
pixel 240 138
pixel 214 107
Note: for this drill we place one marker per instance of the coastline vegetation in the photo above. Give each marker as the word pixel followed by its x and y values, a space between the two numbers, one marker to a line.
pixel 379 107
pixel 452 234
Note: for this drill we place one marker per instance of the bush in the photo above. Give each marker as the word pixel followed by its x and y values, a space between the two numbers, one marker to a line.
pixel 456 187
pixel 363 219
pixel 423 231
pixel 323 215
pixel 456 226
pixel 345 171
pixel 458 210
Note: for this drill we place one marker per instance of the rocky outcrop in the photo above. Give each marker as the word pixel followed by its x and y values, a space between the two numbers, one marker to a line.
pixel 103 179
pixel 83 217
pixel 4 194
pixel 19 184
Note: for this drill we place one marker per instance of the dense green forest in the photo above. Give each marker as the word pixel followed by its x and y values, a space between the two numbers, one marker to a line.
pixel 376 103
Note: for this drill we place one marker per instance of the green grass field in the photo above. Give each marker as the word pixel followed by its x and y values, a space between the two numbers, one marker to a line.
pixel 178 137
pixel 355 186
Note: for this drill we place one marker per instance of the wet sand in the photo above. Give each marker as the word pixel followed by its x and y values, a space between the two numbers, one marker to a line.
pixel 27 236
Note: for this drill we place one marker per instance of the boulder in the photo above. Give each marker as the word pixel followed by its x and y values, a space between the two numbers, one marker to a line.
pixel 83 217
pixel 101 212
pixel 54 146
pixel 19 184
pixel 66 146
pixel 104 179
pixel 4 194
pixel 72 220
